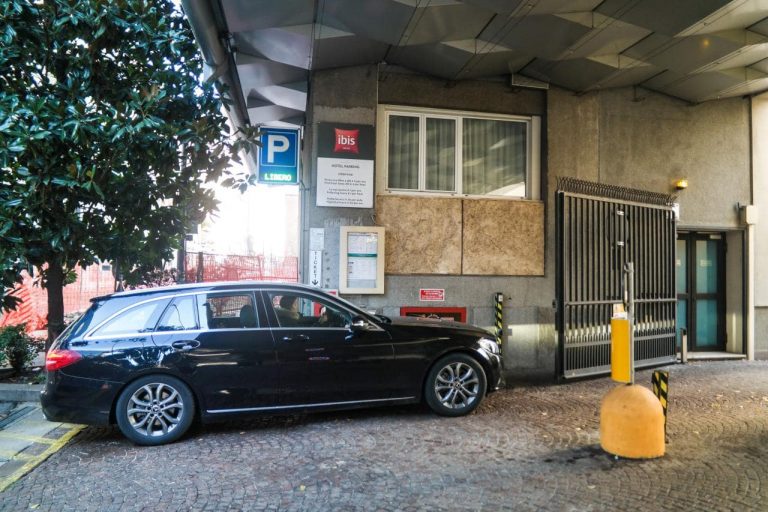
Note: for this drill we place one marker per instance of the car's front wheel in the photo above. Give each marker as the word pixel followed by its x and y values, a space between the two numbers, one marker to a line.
pixel 154 410
pixel 455 386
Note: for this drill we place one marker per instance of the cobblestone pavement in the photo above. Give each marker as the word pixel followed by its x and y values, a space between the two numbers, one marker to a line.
pixel 526 448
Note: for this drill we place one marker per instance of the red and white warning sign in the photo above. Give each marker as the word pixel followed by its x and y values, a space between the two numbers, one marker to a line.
pixel 432 294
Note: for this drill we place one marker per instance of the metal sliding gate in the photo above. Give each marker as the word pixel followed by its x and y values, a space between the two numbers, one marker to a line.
pixel 599 228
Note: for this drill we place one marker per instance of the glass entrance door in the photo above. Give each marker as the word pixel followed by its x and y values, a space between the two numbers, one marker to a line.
pixel 700 290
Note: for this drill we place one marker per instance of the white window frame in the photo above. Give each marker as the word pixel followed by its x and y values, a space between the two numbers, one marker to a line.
pixel 533 149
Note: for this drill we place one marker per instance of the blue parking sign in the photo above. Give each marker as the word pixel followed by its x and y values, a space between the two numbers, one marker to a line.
pixel 279 156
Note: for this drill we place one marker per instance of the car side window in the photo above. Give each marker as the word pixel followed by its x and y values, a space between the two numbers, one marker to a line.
pixel 301 310
pixel 135 320
pixel 179 316
pixel 228 310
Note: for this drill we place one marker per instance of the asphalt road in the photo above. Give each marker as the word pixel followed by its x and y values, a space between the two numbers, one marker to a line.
pixel 527 448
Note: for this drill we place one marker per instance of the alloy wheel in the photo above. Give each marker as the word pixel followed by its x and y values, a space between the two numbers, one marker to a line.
pixel 457 386
pixel 155 409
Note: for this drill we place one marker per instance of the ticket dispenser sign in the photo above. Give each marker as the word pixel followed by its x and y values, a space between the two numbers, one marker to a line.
pixel 621 359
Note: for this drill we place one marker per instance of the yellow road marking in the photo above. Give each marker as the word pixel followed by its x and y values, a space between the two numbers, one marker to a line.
pixel 23 437
pixel 10 455
pixel 57 445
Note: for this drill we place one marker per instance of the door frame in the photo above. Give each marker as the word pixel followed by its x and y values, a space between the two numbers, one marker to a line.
pixel 690 237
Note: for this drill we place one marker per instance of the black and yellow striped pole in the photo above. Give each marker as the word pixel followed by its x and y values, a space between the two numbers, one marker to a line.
pixel 498 299
pixel 660 384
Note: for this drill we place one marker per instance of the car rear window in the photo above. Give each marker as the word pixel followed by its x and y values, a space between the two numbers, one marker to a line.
pixel 100 310
pixel 134 320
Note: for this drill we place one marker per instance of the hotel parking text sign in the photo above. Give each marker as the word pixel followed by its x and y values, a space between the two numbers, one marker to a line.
pixel 345 165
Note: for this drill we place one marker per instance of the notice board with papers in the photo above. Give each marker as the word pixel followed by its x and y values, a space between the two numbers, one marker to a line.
pixel 361 260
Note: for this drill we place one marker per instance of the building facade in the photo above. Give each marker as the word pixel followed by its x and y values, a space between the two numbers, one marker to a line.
pixel 472 245
pixel 455 127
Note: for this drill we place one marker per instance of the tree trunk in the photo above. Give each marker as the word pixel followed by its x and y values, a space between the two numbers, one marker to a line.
pixel 118 274
pixel 181 262
pixel 55 288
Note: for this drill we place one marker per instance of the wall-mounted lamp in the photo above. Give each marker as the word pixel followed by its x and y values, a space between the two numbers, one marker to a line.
pixel 681 184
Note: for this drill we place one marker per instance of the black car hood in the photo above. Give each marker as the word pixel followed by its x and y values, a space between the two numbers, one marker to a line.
pixel 403 321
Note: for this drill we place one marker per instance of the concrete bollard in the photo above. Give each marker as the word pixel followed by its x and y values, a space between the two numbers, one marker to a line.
pixel 632 423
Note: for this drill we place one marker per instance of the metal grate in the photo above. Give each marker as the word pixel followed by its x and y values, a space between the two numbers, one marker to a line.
pixel 589 188
pixel 597 234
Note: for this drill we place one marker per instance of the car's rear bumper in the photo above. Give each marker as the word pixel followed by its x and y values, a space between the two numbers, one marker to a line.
pixel 77 399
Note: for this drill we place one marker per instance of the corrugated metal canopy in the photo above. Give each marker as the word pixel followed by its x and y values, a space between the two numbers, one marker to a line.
pixel 696 50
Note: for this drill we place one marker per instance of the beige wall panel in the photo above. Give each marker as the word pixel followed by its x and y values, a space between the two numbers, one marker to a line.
pixel 504 238
pixel 423 235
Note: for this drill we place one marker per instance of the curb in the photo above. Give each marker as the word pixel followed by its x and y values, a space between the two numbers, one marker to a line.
pixel 27 439
pixel 20 392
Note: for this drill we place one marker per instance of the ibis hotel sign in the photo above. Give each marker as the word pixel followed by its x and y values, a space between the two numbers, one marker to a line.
pixel 345 165
pixel 279 156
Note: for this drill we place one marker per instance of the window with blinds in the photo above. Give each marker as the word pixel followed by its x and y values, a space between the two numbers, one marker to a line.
pixel 459 153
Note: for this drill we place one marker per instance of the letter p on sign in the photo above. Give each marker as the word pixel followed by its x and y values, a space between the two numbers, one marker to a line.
pixel 276 144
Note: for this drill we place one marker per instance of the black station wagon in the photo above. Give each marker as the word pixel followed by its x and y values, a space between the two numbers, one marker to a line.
pixel 154 360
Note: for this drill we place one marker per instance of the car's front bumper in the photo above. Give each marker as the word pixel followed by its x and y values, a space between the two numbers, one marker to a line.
pixel 77 399
pixel 496 375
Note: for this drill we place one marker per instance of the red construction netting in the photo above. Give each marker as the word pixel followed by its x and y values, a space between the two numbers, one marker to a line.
pixel 203 267
pixel 97 280
pixel 92 281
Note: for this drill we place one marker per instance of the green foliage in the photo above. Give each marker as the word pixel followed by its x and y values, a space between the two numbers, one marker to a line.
pixel 155 277
pixel 107 135
pixel 10 278
pixel 16 347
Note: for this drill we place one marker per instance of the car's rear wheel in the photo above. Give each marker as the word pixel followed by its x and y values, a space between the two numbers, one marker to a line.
pixel 155 409
pixel 455 386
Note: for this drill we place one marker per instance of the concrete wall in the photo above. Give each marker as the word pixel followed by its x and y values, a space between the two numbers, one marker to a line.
pixel 345 95
pixel 399 88
pixel 529 341
pixel 351 95
pixel 625 137
pixel 761 333
pixel 643 140
pixel 647 141
pixel 760 199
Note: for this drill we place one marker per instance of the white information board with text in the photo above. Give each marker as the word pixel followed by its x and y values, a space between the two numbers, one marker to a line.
pixel 361 262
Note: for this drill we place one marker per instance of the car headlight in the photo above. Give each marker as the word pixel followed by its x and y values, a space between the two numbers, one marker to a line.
pixel 489 345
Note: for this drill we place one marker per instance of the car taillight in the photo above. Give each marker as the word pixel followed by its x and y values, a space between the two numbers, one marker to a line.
pixel 58 359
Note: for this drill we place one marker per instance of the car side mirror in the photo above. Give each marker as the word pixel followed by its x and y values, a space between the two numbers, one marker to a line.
pixel 359 324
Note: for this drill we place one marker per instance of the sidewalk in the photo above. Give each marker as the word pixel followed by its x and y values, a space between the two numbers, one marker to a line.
pixel 26 437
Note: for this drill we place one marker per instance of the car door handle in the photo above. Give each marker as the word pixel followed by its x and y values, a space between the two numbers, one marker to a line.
pixel 185 345
pixel 298 337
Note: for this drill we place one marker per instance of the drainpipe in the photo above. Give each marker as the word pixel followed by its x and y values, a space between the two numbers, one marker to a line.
pixel 218 57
